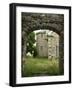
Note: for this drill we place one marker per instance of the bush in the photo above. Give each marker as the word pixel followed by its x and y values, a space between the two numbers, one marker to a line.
pixel 35 52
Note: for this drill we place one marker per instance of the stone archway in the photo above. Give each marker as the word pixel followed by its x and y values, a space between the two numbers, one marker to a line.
pixel 36 21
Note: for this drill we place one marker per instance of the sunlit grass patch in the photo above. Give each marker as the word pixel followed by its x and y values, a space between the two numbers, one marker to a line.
pixel 40 67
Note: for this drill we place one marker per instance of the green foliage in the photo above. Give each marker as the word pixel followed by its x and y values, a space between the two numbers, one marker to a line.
pixel 40 67
pixel 35 52
pixel 30 42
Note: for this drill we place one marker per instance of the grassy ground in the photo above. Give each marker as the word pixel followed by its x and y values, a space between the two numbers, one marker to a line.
pixel 40 67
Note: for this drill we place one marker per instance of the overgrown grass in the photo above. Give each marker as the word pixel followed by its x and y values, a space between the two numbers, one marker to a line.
pixel 40 67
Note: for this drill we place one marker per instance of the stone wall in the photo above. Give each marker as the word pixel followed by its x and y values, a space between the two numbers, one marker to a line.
pixel 42 44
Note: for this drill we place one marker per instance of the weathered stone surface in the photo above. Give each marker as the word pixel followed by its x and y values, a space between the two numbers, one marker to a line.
pixel 61 54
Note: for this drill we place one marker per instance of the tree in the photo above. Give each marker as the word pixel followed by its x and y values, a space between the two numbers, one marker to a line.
pixel 30 42
pixel 35 52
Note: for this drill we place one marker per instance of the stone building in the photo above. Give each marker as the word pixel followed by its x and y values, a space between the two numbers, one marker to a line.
pixel 47 44
pixel 41 44
pixel 53 45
